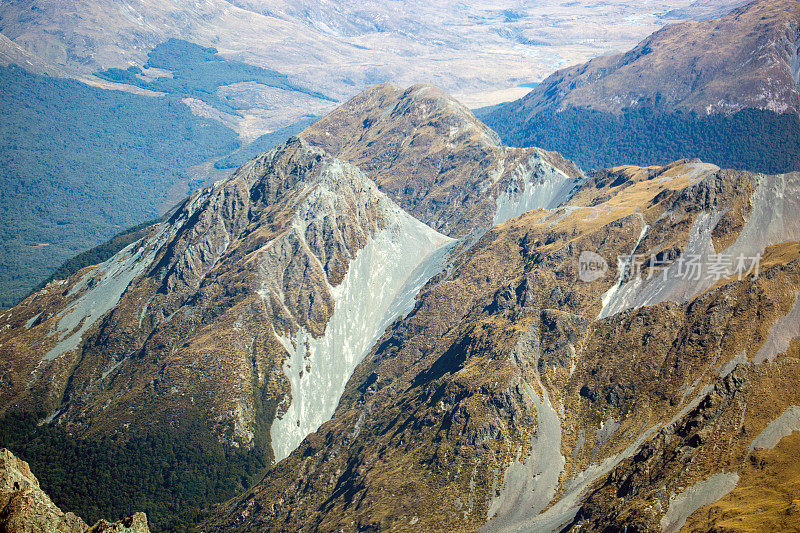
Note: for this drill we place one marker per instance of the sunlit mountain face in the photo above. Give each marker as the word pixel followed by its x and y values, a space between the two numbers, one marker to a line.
pixel 671 97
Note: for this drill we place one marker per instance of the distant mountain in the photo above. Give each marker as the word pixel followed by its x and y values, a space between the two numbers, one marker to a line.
pixel 723 89
pixel 342 47
pixel 703 10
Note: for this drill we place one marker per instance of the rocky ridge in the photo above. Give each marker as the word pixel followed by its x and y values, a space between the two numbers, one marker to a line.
pixel 242 315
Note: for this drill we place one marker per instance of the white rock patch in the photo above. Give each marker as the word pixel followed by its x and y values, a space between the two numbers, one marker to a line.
pixel 114 277
pixel 706 492
pixel 773 220
pixel 781 427
pixel 781 334
pixel 619 296
pixel 549 192
pixel 530 485
pixel 379 286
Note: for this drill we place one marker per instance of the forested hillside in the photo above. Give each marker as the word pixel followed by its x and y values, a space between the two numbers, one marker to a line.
pixel 79 164
pixel 169 476
pixel 751 139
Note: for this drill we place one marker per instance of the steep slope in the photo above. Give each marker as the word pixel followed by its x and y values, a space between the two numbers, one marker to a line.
pixel 237 320
pixel 516 397
pixel 436 160
pixel 695 80
pixel 24 507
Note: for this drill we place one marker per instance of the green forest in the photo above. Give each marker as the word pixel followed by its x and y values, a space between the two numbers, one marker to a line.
pixel 99 254
pixel 198 72
pixel 755 140
pixel 263 144
pixel 79 164
pixel 169 474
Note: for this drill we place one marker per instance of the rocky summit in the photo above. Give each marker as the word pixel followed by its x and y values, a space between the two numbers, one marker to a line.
pixel 432 156
pixel 297 253
pixel 416 328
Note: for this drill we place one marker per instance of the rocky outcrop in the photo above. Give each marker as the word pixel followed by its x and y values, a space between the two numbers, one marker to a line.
pixel 25 508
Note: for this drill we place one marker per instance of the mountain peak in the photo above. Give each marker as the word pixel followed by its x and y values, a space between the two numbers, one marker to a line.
pixel 407 111
pixel 432 156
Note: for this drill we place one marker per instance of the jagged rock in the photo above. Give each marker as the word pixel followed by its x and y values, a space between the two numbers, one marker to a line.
pixel 230 303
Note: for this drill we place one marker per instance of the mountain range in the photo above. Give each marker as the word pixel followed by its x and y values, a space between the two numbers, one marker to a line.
pixel 299 252
pixel 417 349
pixel 156 99
pixel 724 89
pixel 368 42
pixel 515 397
pixel 394 321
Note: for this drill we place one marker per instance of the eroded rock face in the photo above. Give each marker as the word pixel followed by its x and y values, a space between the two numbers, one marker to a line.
pixel 438 162
pixel 199 321
pixel 25 508
pixel 651 407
